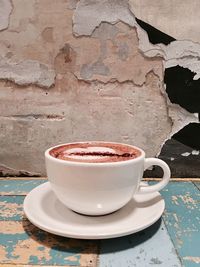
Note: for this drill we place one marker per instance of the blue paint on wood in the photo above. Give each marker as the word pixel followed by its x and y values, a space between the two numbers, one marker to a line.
pixel 11 208
pixel 150 247
pixel 12 199
pixel 19 187
pixel 197 184
pixel 182 218
pixel 9 242
pixel 60 258
pixel 63 251
pixel 41 248
pixel 33 259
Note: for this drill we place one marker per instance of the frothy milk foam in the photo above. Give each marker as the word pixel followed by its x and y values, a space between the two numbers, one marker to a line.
pixel 95 152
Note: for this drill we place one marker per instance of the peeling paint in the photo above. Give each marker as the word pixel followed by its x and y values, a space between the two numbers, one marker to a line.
pixel 186 154
pixel 102 64
pixel 19 186
pixel 9 209
pixel 118 59
pixel 10 171
pixel 21 251
pixel 178 53
pixel 182 217
pixel 102 11
pixel 72 258
pixel 179 117
pixel 72 4
pixel 175 53
pixel 175 200
pixel 192 259
pixel 187 199
pixel 98 68
pixel 2 253
pixel 10 227
pixel 5 11
pixel 23 243
pixel 140 249
pixel 84 106
pixel 176 217
pixel 115 40
pixel 195 152
pixel 176 18
pixel 185 54
pixel 26 72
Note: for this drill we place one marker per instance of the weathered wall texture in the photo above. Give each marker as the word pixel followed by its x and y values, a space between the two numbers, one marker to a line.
pixel 82 70
pixel 176 18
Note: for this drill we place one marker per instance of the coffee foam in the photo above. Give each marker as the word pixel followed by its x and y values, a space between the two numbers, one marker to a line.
pixel 95 152
pixel 86 153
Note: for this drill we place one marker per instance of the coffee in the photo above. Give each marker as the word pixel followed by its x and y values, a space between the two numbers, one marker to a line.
pixel 97 178
pixel 95 152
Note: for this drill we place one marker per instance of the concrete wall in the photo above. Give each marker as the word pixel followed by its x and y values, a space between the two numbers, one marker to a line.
pixel 82 70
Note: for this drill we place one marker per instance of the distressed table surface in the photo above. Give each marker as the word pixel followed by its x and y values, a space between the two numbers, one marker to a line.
pixel 174 240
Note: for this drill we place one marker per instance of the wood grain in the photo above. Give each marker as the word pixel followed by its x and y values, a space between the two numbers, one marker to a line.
pixel 150 247
pixel 23 243
pixel 182 219
pixel 172 241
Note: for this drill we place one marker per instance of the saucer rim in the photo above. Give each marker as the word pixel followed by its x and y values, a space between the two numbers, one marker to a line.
pixel 71 234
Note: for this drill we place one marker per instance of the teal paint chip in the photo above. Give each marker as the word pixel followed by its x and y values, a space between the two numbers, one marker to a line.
pixel 11 208
pixel 19 187
pixel 150 247
pixel 159 243
pixel 62 253
pixel 182 219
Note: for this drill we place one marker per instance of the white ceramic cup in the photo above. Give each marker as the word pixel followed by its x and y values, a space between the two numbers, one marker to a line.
pixel 100 188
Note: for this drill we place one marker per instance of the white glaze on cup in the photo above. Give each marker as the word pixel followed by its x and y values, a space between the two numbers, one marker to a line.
pixel 100 188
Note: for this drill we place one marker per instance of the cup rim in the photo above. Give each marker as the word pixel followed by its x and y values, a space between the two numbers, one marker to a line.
pixel 96 164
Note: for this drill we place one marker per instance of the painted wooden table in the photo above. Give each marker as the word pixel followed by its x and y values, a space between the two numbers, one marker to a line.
pixel 174 240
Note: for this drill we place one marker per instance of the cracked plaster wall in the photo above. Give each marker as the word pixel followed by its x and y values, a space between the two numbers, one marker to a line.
pixel 82 70
pixel 176 18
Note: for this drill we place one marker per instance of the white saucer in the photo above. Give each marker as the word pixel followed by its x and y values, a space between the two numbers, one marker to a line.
pixel 44 210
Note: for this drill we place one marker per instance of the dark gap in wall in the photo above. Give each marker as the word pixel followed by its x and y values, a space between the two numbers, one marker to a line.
pixel 189 136
pixel 182 89
pixel 181 165
pixel 155 36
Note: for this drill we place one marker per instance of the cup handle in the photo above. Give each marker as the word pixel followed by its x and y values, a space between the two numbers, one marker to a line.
pixel 165 179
